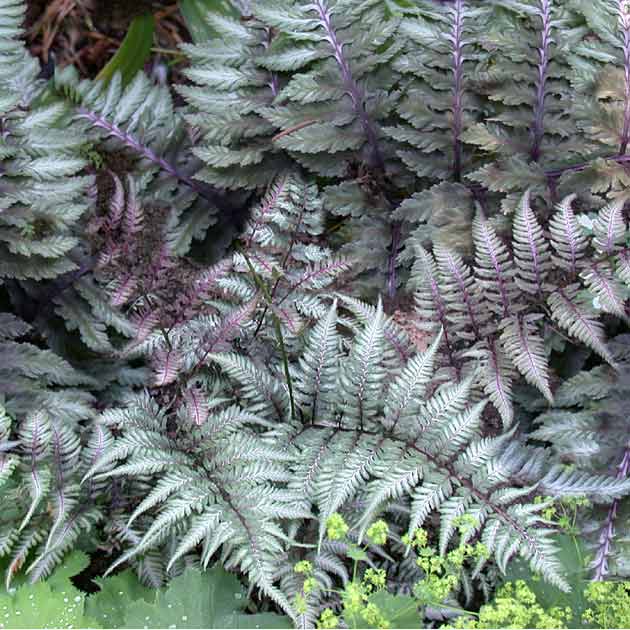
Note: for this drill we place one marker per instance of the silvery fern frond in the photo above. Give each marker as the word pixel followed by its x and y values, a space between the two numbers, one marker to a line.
pixel 43 192
pixel 42 456
pixel 424 444
pixel 572 276
pixel 220 483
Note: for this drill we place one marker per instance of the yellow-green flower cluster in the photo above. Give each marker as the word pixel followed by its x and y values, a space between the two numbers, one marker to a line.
pixel 336 527
pixel 357 606
pixel 328 620
pixel 419 539
pixel 375 577
pixel 562 512
pixel 374 617
pixel 378 532
pixel 611 604
pixel 515 606
pixel 304 567
pixel 442 574
pixel 300 604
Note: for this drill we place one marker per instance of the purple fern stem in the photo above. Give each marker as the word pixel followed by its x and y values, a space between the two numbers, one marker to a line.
pixel 100 122
pixel 456 39
pixel 624 23
pixel 352 88
pixel 356 94
pixel 538 128
pixel 576 168
pixel 393 255
pixel 273 84
pixel 600 564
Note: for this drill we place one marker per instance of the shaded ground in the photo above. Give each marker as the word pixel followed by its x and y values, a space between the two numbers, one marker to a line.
pixel 87 33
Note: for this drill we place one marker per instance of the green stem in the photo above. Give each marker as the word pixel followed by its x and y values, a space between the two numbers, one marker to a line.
pixel 277 327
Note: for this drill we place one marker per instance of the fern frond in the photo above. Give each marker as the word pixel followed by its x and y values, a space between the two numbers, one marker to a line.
pixel 568 240
pixel 527 352
pixel 531 250
pixel 494 267
pixel 609 228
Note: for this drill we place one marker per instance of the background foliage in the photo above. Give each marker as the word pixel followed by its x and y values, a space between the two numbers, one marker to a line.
pixel 355 284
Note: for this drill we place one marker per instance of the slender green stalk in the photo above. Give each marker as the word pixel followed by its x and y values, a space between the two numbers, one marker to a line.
pixel 277 327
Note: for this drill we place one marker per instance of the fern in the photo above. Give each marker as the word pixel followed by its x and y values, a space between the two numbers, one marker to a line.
pixel 214 474
pixel 587 426
pixel 43 193
pixel 44 457
pixel 177 303
pixel 427 109
pixel 235 484
pixel 185 366
pixel 498 310
pixel 292 90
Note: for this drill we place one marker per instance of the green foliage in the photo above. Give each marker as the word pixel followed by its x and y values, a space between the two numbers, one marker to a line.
pixel 366 601
pixel 609 604
pixel 133 52
pixel 53 603
pixel 116 594
pixel 515 606
pixel 525 601
pixel 195 599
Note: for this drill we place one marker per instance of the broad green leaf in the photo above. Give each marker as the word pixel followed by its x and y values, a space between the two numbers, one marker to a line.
pixel 194 12
pixel 214 599
pixel 356 553
pixel 400 610
pixel 71 566
pixel 133 52
pixel 54 603
pixel 109 604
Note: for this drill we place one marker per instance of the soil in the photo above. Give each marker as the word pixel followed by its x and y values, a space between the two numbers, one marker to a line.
pixel 87 33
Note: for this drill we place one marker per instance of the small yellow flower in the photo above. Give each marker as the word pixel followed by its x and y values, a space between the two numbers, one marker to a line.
pixel 310 584
pixel 328 620
pixel 374 617
pixel 303 566
pixel 420 538
pixel 375 577
pixel 353 598
pixel 300 604
pixel 336 527
pixel 378 532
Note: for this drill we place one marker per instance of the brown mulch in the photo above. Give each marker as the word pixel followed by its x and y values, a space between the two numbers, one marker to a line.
pixel 87 33
pixel 409 321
